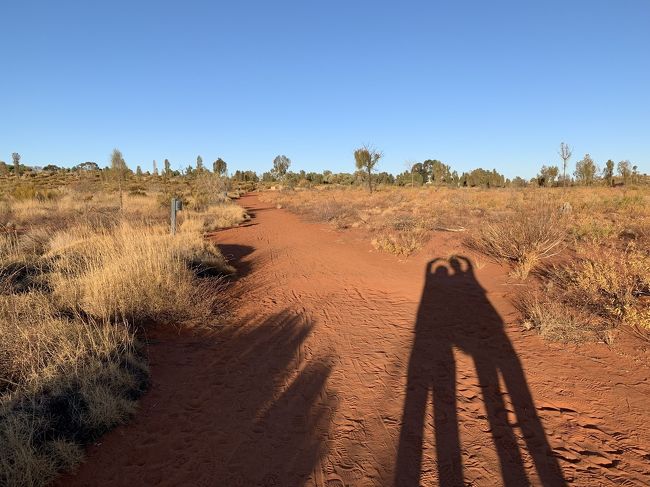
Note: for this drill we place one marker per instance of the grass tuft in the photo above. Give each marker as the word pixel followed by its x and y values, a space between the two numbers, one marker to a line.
pixel 525 239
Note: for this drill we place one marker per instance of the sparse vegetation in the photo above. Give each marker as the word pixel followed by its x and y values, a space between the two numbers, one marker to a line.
pixel 525 238
pixel 366 158
pixel 79 281
pixel 587 250
pixel 604 287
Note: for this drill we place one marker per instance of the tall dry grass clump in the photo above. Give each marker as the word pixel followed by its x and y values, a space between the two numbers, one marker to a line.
pixel 554 321
pixel 129 273
pixel 525 238
pixel 65 381
pixel 222 215
pixel 402 235
pixel 591 295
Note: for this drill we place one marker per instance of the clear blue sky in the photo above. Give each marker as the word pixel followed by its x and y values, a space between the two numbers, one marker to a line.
pixel 472 83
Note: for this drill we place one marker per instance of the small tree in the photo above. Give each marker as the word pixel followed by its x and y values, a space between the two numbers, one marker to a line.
pixel 16 160
pixel 155 168
pixel 220 167
pixel 138 171
pixel 418 173
pixel 280 166
pixel 208 189
pixel 167 168
pixel 586 170
pixel 565 153
pixel 547 175
pixel 625 170
pixel 608 172
pixel 119 170
pixel 409 169
pixel 199 164
pixel 366 159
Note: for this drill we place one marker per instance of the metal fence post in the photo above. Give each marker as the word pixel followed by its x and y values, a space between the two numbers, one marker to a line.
pixel 173 217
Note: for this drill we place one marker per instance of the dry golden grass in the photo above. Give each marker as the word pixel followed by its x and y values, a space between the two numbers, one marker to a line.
pixel 132 273
pixel 601 213
pixel 65 381
pixel 554 321
pixel 525 239
pixel 401 242
pixel 213 218
pixel 78 278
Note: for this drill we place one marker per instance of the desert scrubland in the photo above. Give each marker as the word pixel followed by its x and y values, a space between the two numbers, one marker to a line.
pixel 318 329
pixel 82 280
pixel 581 253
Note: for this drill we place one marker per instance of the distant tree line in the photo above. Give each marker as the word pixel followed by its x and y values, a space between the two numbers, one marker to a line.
pixel 430 172
pixel 587 172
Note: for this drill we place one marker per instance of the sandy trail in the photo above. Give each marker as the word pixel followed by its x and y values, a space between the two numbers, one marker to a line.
pixel 328 379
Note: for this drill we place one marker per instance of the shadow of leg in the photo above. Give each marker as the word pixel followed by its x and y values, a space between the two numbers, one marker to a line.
pixel 409 454
pixel 283 446
pixel 546 464
pixel 445 417
pixel 512 467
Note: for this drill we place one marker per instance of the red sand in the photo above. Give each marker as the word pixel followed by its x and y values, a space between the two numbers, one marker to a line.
pixel 334 347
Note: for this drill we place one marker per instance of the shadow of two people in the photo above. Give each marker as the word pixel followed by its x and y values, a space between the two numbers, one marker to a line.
pixel 454 312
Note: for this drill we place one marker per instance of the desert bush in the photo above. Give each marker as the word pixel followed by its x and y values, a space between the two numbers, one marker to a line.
pixel 527 237
pixel 29 191
pixel 554 321
pixel 612 284
pixel 335 212
pixel 132 273
pixel 207 189
pixel 588 297
pixel 213 218
pixel 64 382
pixel 403 243
pixel 592 230
pixel 24 192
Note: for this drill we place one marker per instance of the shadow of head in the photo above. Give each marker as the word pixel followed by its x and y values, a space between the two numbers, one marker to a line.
pixel 453 269
pixel 454 301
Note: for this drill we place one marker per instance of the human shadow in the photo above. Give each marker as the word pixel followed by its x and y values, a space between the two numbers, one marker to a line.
pixel 275 407
pixel 454 312
pixel 244 405
pixel 236 256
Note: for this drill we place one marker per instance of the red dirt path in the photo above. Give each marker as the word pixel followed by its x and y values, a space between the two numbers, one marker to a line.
pixel 326 378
